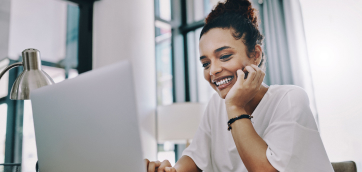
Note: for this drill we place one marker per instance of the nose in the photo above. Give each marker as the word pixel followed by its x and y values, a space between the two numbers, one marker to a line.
pixel 215 68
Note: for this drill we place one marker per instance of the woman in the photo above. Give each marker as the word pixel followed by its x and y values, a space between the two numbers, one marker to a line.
pixel 271 128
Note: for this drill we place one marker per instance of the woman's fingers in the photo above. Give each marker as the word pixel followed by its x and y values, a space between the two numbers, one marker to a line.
pixel 240 78
pixel 147 162
pixel 251 74
pixel 170 169
pixel 157 166
pixel 262 77
pixel 258 73
pixel 163 165
pixel 153 165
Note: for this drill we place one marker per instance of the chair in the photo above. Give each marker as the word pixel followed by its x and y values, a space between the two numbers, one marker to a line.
pixel 346 166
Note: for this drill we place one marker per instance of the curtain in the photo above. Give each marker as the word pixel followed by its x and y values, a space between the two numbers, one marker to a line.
pixel 285 46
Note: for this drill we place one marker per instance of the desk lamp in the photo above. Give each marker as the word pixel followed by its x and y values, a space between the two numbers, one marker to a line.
pixel 31 78
pixel 179 121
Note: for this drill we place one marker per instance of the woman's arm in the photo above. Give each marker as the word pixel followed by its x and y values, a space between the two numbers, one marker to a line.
pixel 251 147
pixel 186 164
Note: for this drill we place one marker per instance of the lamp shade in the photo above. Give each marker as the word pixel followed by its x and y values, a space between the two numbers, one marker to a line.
pixel 178 121
pixel 31 78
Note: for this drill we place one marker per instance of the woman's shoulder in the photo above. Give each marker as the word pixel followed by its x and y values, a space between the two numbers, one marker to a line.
pixel 285 97
pixel 286 88
pixel 293 91
pixel 215 100
pixel 215 105
pixel 293 105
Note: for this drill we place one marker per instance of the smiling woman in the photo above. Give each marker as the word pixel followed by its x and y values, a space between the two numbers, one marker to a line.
pixel 272 127
pixel 226 53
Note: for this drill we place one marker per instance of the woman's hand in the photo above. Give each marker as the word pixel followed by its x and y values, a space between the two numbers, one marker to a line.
pixel 244 89
pixel 157 166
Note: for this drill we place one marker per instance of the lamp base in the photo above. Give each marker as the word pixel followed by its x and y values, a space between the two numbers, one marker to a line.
pixel 188 143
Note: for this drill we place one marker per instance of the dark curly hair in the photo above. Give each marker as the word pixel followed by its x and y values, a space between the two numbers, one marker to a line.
pixel 239 16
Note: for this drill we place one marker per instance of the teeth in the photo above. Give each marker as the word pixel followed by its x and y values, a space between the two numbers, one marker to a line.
pixel 224 81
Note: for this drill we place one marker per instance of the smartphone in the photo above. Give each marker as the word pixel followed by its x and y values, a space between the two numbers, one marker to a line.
pixel 246 74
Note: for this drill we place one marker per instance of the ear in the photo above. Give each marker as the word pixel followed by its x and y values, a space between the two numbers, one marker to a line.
pixel 258 54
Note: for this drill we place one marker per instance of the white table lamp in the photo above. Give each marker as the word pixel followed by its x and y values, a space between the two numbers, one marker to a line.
pixel 178 122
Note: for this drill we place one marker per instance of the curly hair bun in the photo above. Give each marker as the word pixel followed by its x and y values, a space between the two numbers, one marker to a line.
pixel 242 7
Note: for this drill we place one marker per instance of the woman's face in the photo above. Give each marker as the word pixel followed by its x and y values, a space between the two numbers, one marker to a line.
pixel 222 55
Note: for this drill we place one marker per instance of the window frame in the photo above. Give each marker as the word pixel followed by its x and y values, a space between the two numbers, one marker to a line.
pixel 14 123
pixel 184 29
pixel 180 58
pixel 179 46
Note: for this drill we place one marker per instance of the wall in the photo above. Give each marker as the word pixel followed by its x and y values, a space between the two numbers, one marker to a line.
pixel 124 30
pixel 4 27
pixel 39 24
pixel 333 33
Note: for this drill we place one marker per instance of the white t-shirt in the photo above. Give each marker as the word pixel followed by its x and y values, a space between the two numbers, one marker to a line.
pixel 283 119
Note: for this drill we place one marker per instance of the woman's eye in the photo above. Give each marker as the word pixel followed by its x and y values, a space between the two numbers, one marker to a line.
pixel 204 65
pixel 225 56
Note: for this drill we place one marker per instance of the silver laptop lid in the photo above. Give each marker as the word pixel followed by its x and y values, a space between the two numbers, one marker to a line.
pixel 89 123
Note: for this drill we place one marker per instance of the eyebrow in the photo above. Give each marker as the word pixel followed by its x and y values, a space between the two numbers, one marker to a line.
pixel 221 48
pixel 216 51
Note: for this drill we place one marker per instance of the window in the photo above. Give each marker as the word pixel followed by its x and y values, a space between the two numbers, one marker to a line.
pixel 163 9
pixel 56 37
pixel 178 24
pixel 201 91
pixel 164 63
pixel 3 113
pixel 3 109
pixel 4 82
pixel 197 10
pixel 163 46
pixel 194 13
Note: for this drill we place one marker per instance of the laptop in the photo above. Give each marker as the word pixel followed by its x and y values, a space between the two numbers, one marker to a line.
pixel 89 123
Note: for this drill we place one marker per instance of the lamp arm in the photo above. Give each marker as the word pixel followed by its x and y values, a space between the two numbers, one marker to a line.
pixel 9 67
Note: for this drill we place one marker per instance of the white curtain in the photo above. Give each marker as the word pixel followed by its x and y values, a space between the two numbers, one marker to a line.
pixel 298 50
pixel 285 46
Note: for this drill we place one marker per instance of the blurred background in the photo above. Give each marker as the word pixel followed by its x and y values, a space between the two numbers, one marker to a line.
pixel 314 44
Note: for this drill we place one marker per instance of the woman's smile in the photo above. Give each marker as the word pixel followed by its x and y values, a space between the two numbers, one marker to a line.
pixel 223 82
